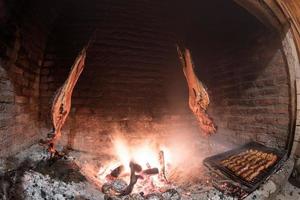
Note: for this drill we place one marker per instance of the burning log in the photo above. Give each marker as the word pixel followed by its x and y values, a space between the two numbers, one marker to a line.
pixel 117 171
pixel 151 171
pixel 198 96
pixel 163 165
pixel 62 101
pixel 133 178
pixel 135 167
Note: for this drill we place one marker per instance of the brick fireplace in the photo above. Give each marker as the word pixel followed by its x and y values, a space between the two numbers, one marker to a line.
pixel 23 41
pixel 133 82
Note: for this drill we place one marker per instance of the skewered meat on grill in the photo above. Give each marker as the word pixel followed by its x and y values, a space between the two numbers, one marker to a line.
pixel 249 164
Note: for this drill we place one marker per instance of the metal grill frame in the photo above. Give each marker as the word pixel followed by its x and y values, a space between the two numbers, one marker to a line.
pixel 215 163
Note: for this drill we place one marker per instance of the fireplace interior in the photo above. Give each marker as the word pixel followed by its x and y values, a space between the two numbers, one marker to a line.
pixel 130 105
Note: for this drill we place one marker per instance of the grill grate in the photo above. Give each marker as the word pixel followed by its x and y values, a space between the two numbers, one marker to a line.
pixel 214 163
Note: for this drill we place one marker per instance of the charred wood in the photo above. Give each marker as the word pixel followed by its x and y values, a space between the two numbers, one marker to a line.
pixel 133 178
pixel 117 171
pixel 151 171
pixel 163 165
pixel 135 167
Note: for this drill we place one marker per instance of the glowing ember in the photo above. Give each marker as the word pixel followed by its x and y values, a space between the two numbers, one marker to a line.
pixel 147 156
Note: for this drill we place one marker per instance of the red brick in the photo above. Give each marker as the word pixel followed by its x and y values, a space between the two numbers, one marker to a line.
pixel 6 98
pixel 16 69
pixel 21 99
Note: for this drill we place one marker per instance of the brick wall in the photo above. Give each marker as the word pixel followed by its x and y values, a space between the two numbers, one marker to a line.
pixel 133 82
pixel 131 69
pixel 22 40
pixel 250 92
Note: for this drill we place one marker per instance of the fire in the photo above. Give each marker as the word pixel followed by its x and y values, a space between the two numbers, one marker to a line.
pixel 147 155
pixel 123 153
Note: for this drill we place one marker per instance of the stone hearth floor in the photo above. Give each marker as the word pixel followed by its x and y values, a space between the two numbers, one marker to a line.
pixel 43 182
pixel 36 186
pixel 289 192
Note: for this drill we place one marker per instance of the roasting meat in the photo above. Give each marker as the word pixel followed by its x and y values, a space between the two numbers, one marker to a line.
pixel 198 95
pixel 249 164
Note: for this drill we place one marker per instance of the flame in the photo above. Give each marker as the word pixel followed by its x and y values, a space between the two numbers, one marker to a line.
pixel 181 161
pixel 145 154
pixel 123 153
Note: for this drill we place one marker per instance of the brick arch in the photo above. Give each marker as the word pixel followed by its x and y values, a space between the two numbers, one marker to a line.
pixel 19 95
pixel 23 37
pixel 284 17
pixel 115 101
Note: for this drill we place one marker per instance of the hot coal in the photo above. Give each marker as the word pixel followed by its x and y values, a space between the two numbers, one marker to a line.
pixel 154 196
pixel 119 185
pixel 171 194
pixel 106 187
pixel 63 181
pixel 115 187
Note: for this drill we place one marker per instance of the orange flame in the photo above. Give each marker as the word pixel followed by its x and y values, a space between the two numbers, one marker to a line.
pixel 146 155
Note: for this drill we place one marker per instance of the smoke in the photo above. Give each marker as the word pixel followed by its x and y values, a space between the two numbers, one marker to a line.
pixel 185 148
